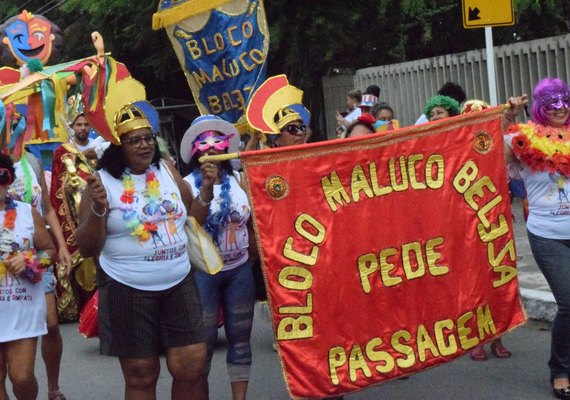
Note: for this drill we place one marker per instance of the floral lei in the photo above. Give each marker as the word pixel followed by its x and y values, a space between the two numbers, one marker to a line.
pixel 543 148
pixel 35 261
pixel 143 230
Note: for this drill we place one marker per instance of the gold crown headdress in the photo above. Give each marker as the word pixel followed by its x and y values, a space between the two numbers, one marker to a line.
pixel 285 116
pixel 129 118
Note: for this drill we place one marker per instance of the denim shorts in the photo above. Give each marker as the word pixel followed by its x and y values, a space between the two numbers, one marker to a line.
pixel 48 281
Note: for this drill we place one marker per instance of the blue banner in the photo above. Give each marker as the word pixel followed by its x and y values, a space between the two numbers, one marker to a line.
pixel 225 59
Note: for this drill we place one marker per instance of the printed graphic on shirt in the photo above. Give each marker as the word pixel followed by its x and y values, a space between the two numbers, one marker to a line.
pixel 18 189
pixel 13 288
pixel 557 192
pixel 230 233
pixel 159 219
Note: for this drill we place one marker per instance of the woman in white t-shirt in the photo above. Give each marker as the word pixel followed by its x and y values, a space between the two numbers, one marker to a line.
pixel 541 147
pixel 25 247
pixel 30 187
pixel 132 214
pixel 233 288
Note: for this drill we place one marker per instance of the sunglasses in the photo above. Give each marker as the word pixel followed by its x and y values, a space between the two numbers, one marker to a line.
pixel 297 130
pixel 137 140
pixel 5 177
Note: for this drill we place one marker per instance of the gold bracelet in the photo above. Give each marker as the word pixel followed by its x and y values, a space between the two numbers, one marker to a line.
pixel 202 202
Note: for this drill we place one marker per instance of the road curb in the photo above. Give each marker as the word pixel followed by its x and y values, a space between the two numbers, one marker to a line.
pixel 539 305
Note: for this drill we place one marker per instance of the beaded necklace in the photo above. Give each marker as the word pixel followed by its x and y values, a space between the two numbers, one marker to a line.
pixel 543 148
pixel 151 195
pixel 214 222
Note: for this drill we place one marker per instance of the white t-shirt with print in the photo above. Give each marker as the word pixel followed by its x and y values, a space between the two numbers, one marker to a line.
pixel 233 239
pixel 548 199
pixel 160 262
pixel 22 303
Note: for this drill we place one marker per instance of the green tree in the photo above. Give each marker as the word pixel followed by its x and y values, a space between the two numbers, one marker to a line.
pixel 309 39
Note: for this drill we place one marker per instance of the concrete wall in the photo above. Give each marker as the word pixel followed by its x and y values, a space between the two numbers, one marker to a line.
pixel 407 86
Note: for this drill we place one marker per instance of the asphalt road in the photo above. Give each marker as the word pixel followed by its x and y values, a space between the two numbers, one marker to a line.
pixel 86 375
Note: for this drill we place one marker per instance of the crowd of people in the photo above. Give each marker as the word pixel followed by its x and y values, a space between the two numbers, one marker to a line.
pixel 127 239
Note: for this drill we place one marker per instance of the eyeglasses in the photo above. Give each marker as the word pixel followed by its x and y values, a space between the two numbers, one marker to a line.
pixel 5 176
pixel 137 140
pixel 297 130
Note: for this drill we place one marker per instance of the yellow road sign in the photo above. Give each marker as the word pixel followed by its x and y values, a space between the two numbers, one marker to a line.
pixel 481 13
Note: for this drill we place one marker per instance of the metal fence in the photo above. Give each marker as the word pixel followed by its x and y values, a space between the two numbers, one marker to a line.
pixel 407 86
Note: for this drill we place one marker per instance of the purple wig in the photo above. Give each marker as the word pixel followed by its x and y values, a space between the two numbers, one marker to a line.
pixel 545 91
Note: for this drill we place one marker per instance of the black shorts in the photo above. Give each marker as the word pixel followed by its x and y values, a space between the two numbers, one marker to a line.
pixel 137 323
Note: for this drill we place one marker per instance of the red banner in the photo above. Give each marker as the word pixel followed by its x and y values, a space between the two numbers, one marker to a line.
pixel 385 255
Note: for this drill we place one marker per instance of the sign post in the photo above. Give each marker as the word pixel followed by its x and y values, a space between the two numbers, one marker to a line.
pixel 488 13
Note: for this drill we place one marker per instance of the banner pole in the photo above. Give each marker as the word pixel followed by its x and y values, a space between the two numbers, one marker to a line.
pixel 219 157
pixel 491 65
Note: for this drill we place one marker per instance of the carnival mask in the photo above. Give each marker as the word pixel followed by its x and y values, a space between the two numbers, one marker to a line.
pixel 556 101
pixel 211 139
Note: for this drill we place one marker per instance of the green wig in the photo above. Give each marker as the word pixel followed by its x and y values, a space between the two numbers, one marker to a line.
pixel 451 105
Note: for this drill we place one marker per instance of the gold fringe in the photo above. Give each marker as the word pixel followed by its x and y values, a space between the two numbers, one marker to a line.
pixel 189 9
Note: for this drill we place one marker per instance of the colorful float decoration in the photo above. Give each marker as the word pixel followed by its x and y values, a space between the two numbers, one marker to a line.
pixel 38 101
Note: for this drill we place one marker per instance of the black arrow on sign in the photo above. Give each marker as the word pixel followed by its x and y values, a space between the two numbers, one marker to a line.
pixel 473 14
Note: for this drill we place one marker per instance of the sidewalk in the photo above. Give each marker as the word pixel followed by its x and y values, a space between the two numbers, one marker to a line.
pixel 536 295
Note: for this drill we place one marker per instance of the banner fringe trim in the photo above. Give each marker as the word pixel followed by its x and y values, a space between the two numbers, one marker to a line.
pixel 189 9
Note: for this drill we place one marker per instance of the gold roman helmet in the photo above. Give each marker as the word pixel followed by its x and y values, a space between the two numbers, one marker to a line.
pixel 285 116
pixel 129 118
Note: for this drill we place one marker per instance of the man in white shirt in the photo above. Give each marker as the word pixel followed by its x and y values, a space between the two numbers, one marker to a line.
pixel 81 128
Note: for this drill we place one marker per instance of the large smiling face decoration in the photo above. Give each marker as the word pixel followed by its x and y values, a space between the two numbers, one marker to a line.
pixel 28 36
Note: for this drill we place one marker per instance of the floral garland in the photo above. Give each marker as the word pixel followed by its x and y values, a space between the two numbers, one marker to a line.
pixel 7 236
pixel 543 148
pixel 35 261
pixel 11 214
pixel 143 230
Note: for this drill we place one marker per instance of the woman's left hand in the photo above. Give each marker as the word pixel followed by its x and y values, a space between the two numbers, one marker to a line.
pixel 16 264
